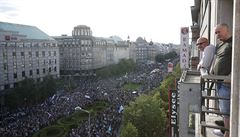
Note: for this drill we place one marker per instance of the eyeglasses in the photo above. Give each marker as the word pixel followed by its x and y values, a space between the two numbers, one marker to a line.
pixel 200 43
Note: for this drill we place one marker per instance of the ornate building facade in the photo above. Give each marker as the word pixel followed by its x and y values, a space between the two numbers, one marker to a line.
pixel 26 52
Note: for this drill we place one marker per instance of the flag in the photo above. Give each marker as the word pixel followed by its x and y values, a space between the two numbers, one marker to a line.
pixel 120 109
pixel 109 129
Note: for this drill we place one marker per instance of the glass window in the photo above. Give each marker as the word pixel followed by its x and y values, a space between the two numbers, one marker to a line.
pixel 37 71
pixel 30 54
pixel 5 66
pixel 22 53
pixel 23 73
pixel 37 54
pixel 15 75
pixel 30 72
pixel 43 53
pixel 14 54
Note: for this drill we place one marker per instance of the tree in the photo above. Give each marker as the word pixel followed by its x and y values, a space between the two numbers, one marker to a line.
pixel 170 55
pixel 160 58
pixel 129 131
pixel 147 115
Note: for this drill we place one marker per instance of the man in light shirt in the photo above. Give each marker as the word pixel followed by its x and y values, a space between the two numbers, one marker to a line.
pixel 208 53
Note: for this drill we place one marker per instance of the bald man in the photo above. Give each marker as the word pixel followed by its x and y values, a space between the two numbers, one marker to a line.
pixel 208 53
pixel 222 66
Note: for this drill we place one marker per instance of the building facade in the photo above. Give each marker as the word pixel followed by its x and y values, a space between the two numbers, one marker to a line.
pixel 76 51
pixel 83 53
pixel 26 52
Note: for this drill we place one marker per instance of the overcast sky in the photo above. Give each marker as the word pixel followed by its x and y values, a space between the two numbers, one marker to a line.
pixel 159 20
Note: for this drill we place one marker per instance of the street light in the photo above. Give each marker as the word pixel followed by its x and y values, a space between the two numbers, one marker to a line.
pixel 79 108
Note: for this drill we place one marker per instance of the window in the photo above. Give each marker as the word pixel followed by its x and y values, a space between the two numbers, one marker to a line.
pixel 37 71
pixel 7 86
pixel 5 66
pixel 55 53
pixel 49 53
pixel 15 75
pixel 22 53
pixel 30 54
pixel 14 54
pixel 44 70
pixel 55 69
pixel 43 53
pixel 23 73
pixel 37 54
pixel 30 72
pixel 50 69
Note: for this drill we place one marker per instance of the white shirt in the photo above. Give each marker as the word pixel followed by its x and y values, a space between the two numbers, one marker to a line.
pixel 207 58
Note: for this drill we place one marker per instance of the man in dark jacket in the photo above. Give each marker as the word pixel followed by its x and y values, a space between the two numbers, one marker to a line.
pixel 222 66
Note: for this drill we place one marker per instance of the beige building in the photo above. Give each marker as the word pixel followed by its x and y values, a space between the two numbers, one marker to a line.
pixel 26 52
pixel 76 51
pixel 82 53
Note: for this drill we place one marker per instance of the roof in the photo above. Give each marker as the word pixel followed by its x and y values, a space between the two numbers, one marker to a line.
pixel 116 39
pixel 31 32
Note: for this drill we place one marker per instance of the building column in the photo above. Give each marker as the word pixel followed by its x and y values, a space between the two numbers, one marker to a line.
pixel 235 96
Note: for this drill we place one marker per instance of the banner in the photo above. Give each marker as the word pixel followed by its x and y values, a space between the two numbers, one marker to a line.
pixel 170 67
pixel 184 50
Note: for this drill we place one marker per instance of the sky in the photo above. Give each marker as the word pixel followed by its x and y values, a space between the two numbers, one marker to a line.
pixel 156 20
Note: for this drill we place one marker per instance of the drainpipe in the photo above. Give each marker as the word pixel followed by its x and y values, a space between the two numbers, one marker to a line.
pixel 209 20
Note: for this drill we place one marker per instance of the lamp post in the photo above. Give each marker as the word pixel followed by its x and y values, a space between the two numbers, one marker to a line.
pixel 83 110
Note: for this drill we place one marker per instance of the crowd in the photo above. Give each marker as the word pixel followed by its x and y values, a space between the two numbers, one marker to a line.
pixel 24 122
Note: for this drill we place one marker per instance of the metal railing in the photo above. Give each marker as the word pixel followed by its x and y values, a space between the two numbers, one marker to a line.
pixel 209 93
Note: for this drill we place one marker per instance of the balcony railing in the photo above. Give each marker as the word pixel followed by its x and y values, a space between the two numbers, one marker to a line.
pixel 209 100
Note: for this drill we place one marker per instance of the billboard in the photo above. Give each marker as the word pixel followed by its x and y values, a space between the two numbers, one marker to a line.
pixel 184 50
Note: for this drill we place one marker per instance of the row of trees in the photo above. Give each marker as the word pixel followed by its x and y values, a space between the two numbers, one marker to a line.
pixel 30 92
pixel 167 56
pixel 124 65
pixel 147 115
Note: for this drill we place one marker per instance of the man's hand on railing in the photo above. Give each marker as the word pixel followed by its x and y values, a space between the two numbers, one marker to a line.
pixel 203 71
pixel 205 75
pixel 228 80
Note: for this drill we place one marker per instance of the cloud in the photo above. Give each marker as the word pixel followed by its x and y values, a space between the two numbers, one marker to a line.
pixel 7 9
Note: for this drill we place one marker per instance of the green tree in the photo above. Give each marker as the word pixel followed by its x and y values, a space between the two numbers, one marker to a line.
pixel 170 55
pixel 159 58
pixel 129 131
pixel 147 115
pixel 30 92
pixel 117 69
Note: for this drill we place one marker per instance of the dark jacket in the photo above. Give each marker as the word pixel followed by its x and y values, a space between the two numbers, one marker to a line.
pixel 223 61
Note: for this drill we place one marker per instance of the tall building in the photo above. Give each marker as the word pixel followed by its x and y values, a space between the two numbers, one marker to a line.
pixel 26 52
pixel 76 51
pixel 83 53
pixel 141 50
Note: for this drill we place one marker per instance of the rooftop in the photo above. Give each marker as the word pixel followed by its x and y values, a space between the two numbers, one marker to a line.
pixel 31 32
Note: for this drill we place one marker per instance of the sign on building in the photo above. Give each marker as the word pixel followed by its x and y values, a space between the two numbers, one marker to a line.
pixel 170 67
pixel 173 115
pixel 184 50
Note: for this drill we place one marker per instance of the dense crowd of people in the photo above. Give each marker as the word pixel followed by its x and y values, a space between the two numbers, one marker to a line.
pixel 26 121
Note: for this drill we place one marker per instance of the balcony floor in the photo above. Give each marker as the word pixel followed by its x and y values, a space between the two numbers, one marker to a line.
pixel 210 118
